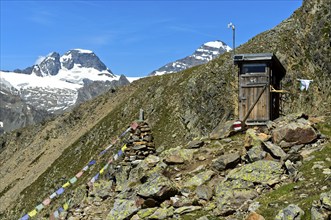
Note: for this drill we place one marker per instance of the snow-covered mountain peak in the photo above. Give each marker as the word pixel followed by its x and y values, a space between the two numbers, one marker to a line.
pixel 205 53
pixel 218 44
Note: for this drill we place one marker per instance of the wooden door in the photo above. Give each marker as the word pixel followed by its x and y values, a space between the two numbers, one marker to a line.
pixel 254 98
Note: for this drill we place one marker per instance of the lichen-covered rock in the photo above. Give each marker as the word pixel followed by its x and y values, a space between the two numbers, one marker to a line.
pixel 291 212
pixel 158 187
pixel 186 209
pixel 199 179
pixel 231 194
pixel 179 153
pixel 326 200
pixel 121 178
pixel 123 209
pixel 259 172
pixel 162 213
pixel 144 213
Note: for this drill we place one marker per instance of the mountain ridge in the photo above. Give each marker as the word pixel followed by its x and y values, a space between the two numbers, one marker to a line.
pixel 205 53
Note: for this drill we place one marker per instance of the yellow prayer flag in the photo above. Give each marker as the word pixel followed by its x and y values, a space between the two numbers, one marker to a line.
pixel 124 147
pixel 102 170
pixel 66 185
pixel 32 213
pixel 65 206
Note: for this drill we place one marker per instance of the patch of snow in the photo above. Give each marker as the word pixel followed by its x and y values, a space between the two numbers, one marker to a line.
pixel 83 51
pixel 216 44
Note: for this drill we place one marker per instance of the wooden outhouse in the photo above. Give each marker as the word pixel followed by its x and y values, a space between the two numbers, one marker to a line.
pixel 260 78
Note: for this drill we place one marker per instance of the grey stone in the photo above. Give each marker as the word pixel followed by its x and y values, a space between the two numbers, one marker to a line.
pixel 195 144
pixel 226 161
pixel 291 212
pixel 255 153
pixel 204 192
pixel 290 168
pixel 223 130
pixel 275 151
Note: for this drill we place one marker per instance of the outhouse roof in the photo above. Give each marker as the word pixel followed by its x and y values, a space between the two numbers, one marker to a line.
pixel 260 57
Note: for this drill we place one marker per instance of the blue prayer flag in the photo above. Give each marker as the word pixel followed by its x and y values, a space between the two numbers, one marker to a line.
pixel 120 152
pixel 60 209
pixel 60 191
pixel 25 217
pixel 91 162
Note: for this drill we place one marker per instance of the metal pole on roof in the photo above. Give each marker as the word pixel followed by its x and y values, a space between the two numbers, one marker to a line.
pixel 230 25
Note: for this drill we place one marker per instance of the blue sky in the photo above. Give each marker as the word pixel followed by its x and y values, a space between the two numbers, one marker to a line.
pixel 130 37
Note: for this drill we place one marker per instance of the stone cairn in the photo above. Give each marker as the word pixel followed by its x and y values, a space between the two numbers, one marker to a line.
pixel 140 143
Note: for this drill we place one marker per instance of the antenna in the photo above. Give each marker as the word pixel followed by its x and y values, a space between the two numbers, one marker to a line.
pixel 230 25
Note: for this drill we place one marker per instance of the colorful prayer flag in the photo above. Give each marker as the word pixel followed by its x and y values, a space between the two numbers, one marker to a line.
pixel 134 125
pixel 65 206
pixel 124 147
pixel 25 217
pixel 115 157
pixel 32 213
pixel 120 153
pixel 39 207
pixel 78 175
pixel 56 214
pixel 47 201
pixel 102 170
pixel 91 162
pixel 52 196
pixel 60 209
pixel 73 180
pixel 60 191
pixel 66 185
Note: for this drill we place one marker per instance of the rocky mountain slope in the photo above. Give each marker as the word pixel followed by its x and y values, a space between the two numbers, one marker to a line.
pixel 55 85
pixel 203 54
pixel 179 108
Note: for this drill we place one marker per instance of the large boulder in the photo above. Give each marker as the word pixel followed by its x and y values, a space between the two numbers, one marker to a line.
pixel 295 132
pixel 259 172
